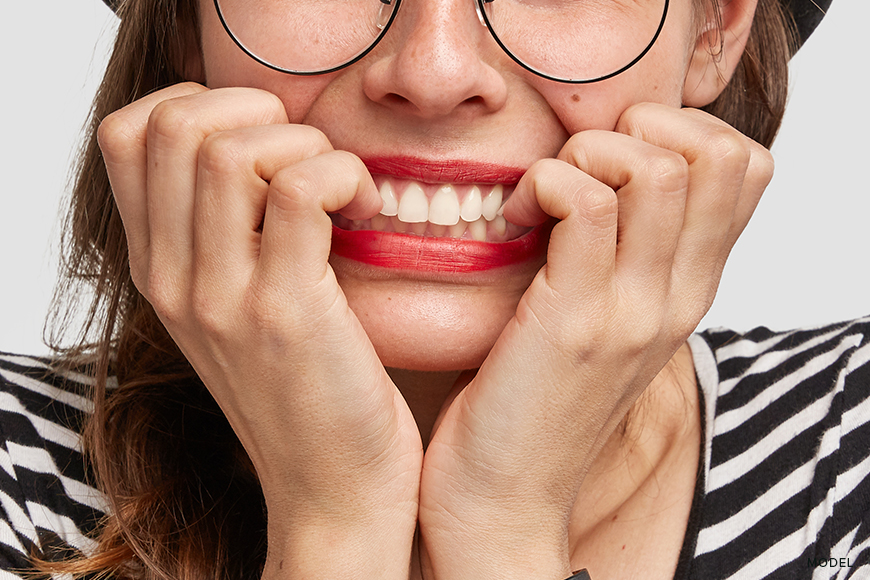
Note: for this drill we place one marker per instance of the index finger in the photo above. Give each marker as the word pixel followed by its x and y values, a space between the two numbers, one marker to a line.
pixel 121 136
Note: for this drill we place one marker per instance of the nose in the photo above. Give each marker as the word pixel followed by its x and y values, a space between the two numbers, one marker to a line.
pixel 437 60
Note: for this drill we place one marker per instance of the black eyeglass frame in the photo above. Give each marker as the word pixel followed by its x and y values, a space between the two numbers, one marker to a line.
pixel 481 12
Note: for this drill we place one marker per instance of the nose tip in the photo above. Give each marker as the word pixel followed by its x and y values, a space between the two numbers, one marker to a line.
pixel 437 60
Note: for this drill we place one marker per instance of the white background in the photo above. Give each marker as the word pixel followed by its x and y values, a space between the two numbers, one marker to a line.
pixel 802 261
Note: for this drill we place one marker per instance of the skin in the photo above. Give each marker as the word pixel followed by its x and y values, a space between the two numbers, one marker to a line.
pixel 346 386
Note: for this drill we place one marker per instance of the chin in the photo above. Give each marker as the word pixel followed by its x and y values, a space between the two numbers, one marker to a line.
pixel 431 327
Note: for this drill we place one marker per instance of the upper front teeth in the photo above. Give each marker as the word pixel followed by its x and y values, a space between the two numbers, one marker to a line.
pixel 444 208
pixel 391 204
pixel 472 206
pixel 413 207
pixel 492 203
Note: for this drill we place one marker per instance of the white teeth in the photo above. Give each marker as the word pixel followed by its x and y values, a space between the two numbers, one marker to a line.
pixel 444 207
pixel 500 225
pixel 414 213
pixel 414 207
pixel 471 207
pixel 478 230
pixel 398 226
pixel 391 204
pixel 492 203
pixel 380 222
pixel 438 231
pixel 458 230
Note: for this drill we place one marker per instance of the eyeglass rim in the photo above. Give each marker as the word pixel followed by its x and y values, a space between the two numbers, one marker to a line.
pixel 481 12
pixel 288 71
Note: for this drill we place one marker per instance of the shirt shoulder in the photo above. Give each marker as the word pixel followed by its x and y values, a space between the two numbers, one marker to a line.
pixel 47 505
pixel 786 467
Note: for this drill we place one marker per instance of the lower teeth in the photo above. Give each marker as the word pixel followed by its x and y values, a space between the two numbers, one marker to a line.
pixel 479 230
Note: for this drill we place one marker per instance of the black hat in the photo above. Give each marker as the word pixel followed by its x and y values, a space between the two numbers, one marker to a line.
pixel 807 14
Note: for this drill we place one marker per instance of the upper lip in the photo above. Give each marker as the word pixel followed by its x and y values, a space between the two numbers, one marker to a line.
pixel 444 171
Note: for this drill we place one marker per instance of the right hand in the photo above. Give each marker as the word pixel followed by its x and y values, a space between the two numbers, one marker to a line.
pixel 225 207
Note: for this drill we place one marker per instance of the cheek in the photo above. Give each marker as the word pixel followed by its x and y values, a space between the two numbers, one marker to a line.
pixel 225 65
pixel 657 78
pixel 599 105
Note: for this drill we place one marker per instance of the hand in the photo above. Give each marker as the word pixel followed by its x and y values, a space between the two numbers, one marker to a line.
pixel 225 207
pixel 648 215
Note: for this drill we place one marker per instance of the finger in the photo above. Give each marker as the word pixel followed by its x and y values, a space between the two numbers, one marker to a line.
pixel 758 176
pixel 232 183
pixel 718 158
pixel 582 251
pixel 651 185
pixel 176 130
pixel 296 228
pixel 121 137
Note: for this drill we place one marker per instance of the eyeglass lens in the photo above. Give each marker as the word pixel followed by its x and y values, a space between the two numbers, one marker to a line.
pixel 570 40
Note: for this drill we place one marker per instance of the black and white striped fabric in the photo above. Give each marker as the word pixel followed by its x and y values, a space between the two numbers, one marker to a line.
pixel 783 493
pixel 785 488
pixel 46 506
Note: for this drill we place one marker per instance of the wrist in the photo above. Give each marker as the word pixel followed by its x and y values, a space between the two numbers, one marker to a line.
pixel 502 552
pixel 346 550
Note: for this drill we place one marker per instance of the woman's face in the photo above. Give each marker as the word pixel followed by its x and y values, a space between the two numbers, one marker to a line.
pixel 437 102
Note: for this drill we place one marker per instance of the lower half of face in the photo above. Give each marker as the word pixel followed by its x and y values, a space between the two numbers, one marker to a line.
pixel 436 277
pixel 434 303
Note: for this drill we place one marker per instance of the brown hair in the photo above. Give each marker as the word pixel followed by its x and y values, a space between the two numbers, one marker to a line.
pixel 185 503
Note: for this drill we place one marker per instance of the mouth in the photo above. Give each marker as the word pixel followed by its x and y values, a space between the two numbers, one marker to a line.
pixel 435 226
pixel 458 211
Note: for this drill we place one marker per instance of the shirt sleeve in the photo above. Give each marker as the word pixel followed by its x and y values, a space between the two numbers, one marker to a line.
pixel 18 536
pixel 850 523
pixel 47 507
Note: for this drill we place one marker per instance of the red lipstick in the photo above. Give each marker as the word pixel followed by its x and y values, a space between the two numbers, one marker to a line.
pixel 447 171
pixel 444 255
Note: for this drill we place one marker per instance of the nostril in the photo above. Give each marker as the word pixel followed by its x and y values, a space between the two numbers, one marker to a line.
pixel 476 100
pixel 393 99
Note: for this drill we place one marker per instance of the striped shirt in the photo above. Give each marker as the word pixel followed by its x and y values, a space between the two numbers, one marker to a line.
pixel 783 490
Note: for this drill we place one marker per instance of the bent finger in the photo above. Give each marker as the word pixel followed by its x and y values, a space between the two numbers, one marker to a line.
pixel 122 141
pixel 176 131
pixel 582 251
pixel 651 185
pixel 297 231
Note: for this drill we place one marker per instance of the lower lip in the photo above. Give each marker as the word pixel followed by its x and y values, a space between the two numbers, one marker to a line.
pixel 428 254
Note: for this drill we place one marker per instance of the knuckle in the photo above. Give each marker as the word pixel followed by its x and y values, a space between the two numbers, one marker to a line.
pixel 728 147
pixel 314 138
pixel 270 107
pixel 207 310
pixel 163 295
pixel 641 329
pixel 223 153
pixel 761 164
pixel 632 118
pixel 172 120
pixel 115 133
pixel 353 164
pixel 575 149
pixel 599 206
pixel 667 171
pixel 290 190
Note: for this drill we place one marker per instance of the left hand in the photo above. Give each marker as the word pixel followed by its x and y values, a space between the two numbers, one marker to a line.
pixel 647 217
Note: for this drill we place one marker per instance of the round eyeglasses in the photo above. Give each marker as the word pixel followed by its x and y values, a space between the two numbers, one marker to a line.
pixel 569 41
